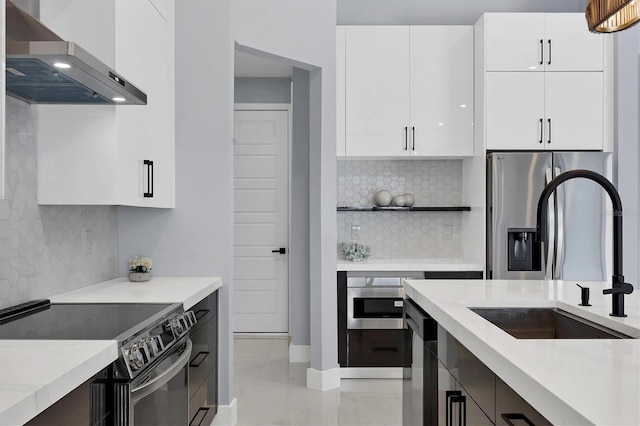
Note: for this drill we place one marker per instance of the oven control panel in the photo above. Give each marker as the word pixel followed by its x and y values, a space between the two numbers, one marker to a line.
pixel 152 343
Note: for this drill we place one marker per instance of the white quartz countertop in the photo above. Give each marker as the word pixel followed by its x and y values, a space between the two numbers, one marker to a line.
pixel 185 290
pixel 410 265
pixel 36 373
pixel 570 382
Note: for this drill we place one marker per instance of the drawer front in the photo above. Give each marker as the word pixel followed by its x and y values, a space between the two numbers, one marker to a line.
pixel 205 310
pixel 203 355
pixel 375 348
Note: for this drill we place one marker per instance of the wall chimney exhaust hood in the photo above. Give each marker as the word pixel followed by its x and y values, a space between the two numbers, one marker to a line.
pixel 42 68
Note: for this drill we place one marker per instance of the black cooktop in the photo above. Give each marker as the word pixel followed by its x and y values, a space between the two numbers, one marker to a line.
pixel 110 321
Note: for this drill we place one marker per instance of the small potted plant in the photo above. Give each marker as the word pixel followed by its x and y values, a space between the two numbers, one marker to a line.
pixel 355 252
pixel 140 269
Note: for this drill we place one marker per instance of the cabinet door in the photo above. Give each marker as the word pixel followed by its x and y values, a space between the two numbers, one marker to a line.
pixel 377 91
pixel 160 106
pixel 340 91
pixel 572 47
pixel 455 405
pixel 132 122
pixel 441 83
pixel 574 104
pixel 514 41
pixel 514 110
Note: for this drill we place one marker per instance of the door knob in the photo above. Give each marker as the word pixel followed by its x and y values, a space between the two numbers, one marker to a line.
pixel 281 250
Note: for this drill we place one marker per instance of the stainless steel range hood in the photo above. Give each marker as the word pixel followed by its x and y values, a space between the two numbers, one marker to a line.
pixel 43 68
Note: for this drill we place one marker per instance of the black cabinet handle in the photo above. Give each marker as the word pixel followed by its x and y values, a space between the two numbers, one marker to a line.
pixel 199 416
pixel 281 250
pixel 149 193
pixel 204 355
pixel 549 63
pixel 456 397
pixel 549 138
pixel 541 51
pixel 507 417
pixel 202 313
pixel 386 348
pixel 541 129
pixel 406 138
pixel 413 135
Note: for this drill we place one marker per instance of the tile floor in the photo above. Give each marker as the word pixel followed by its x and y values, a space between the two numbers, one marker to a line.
pixel 271 391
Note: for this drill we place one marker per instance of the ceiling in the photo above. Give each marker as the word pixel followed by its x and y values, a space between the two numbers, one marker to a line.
pixel 407 12
pixel 248 65
pixel 441 12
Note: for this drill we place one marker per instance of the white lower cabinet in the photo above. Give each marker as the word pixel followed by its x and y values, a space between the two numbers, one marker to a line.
pixel 545 111
pixel 117 155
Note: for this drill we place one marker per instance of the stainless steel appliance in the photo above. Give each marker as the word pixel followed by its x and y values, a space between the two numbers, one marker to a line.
pixel 43 68
pixel 578 207
pixel 146 385
pixel 374 302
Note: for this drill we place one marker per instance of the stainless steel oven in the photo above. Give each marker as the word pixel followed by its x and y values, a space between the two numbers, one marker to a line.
pixel 146 385
pixel 374 302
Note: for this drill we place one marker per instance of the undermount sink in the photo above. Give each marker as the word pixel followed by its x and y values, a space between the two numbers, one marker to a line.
pixel 545 323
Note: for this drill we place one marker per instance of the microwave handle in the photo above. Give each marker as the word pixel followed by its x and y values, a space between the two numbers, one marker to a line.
pixel 164 377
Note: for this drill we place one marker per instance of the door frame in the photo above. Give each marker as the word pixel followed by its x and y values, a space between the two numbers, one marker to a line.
pixel 287 108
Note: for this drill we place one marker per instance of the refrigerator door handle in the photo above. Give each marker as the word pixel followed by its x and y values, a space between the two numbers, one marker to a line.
pixel 550 249
pixel 559 260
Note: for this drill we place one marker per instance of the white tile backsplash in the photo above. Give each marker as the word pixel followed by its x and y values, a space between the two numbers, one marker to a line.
pixel 402 234
pixel 42 249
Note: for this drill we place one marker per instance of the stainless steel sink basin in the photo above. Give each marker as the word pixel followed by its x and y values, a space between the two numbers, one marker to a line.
pixel 545 323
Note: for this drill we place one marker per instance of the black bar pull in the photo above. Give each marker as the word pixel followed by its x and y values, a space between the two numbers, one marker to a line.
pixel 549 138
pixel 281 250
pixel 204 355
pixel 199 416
pixel 549 63
pixel 541 129
pixel 413 135
pixel 541 51
pixel 507 417
pixel 406 138
pixel 386 348
pixel 449 395
pixel 149 193
pixel 202 313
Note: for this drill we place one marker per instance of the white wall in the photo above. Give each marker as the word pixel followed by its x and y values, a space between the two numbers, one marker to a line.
pixel 197 237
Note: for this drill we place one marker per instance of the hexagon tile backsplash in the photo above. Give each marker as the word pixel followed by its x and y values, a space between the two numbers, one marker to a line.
pixel 42 249
pixel 402 234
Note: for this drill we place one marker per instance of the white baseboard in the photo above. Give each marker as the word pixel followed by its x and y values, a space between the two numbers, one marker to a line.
pixel 227 414
pixel 371 373
pixel 323 380
pixel 298 353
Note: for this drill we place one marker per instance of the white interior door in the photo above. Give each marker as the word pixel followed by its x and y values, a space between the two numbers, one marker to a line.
pixel 261 285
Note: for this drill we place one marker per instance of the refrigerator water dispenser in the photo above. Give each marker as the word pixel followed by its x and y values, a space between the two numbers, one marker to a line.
pixel 523 250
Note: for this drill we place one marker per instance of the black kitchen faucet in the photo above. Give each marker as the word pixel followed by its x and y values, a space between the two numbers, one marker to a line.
pixel 619 287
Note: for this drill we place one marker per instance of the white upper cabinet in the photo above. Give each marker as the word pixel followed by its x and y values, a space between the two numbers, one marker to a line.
pixel 377 91
pixel 441 82
pixel 409 91
pixel 541 42
pixel 564 104
pixel 340 91
pixel 113 155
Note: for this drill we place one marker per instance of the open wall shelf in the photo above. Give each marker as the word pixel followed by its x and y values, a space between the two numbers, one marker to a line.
pixel 405 209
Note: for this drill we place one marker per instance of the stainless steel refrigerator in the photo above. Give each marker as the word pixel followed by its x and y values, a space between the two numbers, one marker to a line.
pixel 579 217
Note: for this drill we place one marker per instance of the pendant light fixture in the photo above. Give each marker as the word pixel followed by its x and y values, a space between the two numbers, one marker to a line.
pixel 608 16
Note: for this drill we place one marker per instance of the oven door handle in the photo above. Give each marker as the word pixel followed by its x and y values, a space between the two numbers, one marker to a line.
pixel 164 377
